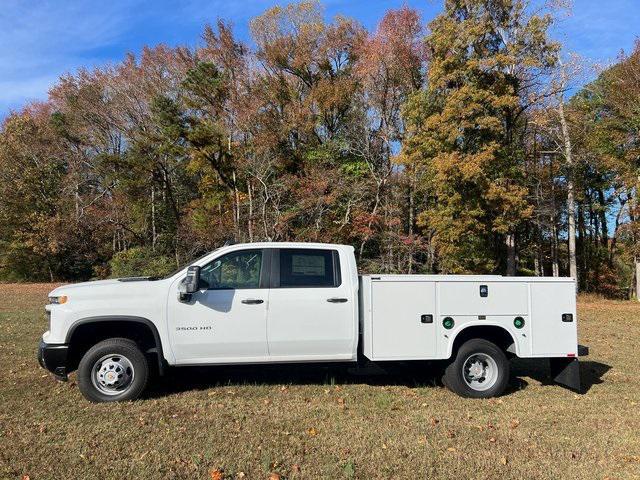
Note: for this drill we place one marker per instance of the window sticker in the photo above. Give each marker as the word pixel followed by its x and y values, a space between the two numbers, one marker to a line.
pixel 307 265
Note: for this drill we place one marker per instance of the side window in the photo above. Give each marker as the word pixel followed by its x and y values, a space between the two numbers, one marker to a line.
pixel 309 268
pixel 234 270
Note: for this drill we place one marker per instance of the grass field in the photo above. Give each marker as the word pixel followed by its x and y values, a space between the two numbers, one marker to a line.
pixel 323 423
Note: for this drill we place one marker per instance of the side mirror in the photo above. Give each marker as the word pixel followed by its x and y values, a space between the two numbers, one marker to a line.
pixel 192 282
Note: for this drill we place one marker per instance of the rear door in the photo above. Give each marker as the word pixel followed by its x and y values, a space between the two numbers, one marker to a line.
pixel 311 315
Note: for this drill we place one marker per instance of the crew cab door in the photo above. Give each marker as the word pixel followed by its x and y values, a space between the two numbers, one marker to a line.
pixel 226 320
pixel 311 310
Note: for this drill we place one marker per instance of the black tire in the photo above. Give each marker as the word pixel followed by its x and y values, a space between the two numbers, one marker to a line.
pixel 133 365
pixel 454 378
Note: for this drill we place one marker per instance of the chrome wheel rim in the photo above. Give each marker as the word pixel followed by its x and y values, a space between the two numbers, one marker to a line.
pixel 480 372
pixel 112 374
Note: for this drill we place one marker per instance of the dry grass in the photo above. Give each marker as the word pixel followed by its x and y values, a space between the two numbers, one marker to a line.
pixel 322 423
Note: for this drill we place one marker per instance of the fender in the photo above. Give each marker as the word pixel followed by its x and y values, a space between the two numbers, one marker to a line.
pixel 466 326
pixel 124 318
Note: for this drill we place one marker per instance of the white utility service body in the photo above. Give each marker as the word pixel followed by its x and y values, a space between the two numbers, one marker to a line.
pixel 304 302
pixel 393 306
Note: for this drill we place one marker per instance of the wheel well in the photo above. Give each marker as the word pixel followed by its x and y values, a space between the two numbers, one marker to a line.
pixel 87 334
pixel 498 335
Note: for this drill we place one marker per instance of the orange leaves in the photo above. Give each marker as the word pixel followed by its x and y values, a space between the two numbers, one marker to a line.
pixel 216 474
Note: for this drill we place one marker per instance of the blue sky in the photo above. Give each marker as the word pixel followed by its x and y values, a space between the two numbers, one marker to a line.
pixel 42 39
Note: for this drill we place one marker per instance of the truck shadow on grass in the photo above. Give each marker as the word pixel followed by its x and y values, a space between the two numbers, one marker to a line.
pixel 591 373
pixel 412 375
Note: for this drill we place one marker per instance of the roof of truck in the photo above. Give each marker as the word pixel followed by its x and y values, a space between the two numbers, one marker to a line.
pixel 288 244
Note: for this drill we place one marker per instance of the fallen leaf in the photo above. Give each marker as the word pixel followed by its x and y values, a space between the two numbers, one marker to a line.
pixel 503 460
pixel 274 476
pixel 217 474
pixel 240 475
pixel 312 431
pixel 451 449
pixel 515 424
pixel 434 421
pixel 26 477
pixel 295 468
pixel 492 440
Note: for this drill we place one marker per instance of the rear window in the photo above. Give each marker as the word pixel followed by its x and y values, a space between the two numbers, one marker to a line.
pixel 309 268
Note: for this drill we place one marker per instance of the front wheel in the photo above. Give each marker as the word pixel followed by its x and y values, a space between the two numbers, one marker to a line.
pixel 113 370
pixel 479 370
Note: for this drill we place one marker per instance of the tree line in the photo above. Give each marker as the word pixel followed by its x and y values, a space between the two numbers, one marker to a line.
pixel 457 147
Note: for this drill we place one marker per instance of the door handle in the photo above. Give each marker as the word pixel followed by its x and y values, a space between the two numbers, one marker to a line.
pixel 337 300
pixel 252 301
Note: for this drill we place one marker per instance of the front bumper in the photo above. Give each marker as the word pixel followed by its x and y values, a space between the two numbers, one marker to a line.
pixel 53 357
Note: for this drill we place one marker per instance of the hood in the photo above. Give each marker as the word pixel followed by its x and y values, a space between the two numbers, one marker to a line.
pixel 94 286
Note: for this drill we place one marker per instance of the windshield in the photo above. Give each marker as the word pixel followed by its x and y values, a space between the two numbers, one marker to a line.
pixel 183 266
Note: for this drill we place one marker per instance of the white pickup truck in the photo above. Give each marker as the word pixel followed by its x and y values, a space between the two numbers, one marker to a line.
pixel 303 302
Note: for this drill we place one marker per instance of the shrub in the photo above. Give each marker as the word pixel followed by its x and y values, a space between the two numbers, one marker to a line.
pixel 141 261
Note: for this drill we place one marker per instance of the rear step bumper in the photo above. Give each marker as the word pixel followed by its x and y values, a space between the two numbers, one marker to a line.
pixel 566 371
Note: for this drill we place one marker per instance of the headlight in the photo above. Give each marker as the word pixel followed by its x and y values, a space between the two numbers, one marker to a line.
pixel 58 300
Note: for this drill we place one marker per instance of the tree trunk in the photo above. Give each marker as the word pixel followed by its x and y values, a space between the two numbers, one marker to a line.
pixel 250 218
pixel 555 267
pixel 510 241
pixel 77 200
pixel 571 206
pixel 582 245
pixel 153 217
pixel 603 219
pixel 633 216
pixel 636 260
pixel 236 206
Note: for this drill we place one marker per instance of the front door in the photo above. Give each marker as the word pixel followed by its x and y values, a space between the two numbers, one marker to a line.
pixel 226 321
pixel 311 311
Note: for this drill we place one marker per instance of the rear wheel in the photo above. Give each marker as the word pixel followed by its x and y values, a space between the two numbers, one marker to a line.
pixel 480 369
pixel 113 370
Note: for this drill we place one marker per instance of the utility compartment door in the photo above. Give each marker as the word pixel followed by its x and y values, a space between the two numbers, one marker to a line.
pixel 550 335
pixel 399 330
pixel 483 298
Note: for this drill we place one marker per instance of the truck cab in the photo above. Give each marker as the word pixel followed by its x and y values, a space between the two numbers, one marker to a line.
pixel 300 302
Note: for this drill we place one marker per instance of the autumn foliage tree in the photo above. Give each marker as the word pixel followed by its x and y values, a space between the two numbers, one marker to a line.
pixel 486 61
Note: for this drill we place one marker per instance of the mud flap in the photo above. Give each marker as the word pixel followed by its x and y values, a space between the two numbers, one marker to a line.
pixel 566 372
